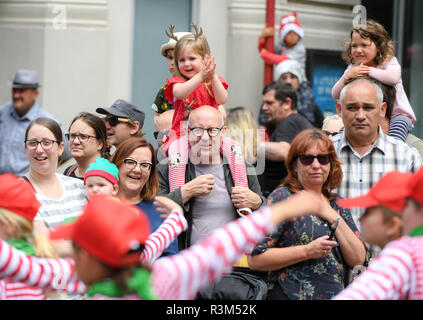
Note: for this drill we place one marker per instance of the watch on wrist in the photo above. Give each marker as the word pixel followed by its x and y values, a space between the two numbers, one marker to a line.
pixel 335 223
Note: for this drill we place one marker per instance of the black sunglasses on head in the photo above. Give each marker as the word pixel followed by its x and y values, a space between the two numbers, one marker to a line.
pixel 307 159
pixel 330 134
pixel 161 135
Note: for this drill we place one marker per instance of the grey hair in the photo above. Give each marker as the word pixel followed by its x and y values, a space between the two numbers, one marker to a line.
pixel 222 120
pixel 379 92
pixel 333 117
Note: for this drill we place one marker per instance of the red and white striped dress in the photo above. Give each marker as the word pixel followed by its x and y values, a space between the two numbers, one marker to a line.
pixel 175 277
pixel 61 273
pixel 10 290
pixel 396 274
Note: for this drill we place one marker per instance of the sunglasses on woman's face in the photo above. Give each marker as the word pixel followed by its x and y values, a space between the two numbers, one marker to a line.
pixel 308 159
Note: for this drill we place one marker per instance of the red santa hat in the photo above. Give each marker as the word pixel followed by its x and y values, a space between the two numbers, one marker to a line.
pixel 289 22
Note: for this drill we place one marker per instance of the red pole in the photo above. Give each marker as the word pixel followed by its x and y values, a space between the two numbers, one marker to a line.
pixel 270 22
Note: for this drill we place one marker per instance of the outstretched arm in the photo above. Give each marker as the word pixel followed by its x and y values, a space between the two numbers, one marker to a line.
pixel 388 277
pixel 167 232
pixel 182 275
pixel 43 273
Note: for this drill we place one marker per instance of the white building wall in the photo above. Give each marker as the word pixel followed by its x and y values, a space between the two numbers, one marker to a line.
pixel 85 61
pixel 326 25
pixel 82 51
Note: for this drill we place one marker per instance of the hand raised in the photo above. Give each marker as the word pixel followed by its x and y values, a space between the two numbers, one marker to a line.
pixel 209 66
pixel 166 205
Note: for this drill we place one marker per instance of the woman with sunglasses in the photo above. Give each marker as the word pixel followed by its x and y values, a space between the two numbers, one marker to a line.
pixel 87 141
pixel 61 197
pixel 138 180
pixel 308 257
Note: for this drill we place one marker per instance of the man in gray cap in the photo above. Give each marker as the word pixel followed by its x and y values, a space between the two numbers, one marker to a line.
pixel 123 120
pixel 15 117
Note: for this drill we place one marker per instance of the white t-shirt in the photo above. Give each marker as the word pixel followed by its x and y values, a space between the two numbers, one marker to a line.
pixel 53 211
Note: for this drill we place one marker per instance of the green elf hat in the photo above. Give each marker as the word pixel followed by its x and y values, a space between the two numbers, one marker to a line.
pixel 103 168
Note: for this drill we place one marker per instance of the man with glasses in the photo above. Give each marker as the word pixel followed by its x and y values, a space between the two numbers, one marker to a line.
pixel 208 195
pixel 283 123
pixel 15 117
pixel 123 120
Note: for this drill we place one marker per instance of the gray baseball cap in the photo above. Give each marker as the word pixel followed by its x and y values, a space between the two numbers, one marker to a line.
pixel 25 79
pixel 123 109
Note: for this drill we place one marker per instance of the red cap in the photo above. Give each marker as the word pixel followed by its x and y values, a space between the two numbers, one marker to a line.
pixel 415 186
pixel 390 191
pixel 110 229
pixel 17 196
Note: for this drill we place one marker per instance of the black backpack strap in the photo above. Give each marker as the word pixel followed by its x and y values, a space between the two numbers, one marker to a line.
pixel 71 170
pixel 27 180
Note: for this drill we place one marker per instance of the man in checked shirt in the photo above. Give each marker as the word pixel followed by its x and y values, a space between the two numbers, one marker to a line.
pixel 365 151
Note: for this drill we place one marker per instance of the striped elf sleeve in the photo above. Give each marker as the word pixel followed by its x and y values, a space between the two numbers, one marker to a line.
pixel 10 290
pixel 43 273
pixel 397 273
pixel 165 234
pixel 181 276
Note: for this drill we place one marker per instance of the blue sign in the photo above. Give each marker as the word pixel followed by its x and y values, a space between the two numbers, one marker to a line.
pixel 324 78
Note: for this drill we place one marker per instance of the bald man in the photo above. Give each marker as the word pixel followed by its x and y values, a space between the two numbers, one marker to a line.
pixel 208 195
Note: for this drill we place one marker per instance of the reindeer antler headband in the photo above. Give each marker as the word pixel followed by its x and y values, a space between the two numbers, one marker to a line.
pixel 171 35
pixel 197 33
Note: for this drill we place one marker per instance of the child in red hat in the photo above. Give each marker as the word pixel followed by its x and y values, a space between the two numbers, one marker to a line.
pixel 289 45
pixel 381 221
pixel 109 238
pixel 18 207
pixel 397 272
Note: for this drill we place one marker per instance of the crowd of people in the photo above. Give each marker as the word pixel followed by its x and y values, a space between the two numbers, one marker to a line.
pixel 290 206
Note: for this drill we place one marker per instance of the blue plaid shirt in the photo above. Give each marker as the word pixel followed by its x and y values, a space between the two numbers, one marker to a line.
pixel 360 173
pixel 12 138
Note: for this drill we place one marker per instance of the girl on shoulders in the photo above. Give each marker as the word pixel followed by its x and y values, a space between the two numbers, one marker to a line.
pixel 371 52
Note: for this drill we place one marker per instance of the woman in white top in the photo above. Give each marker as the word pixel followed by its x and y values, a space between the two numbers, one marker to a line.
pixel 61 197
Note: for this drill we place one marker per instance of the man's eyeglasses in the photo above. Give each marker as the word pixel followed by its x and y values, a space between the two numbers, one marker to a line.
pixel 161 135
pixel 132 163
pixel 113 121
pixel 330 134
pixel 308 159
pixel 81 137
pixel 46 144
pixel 212 132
